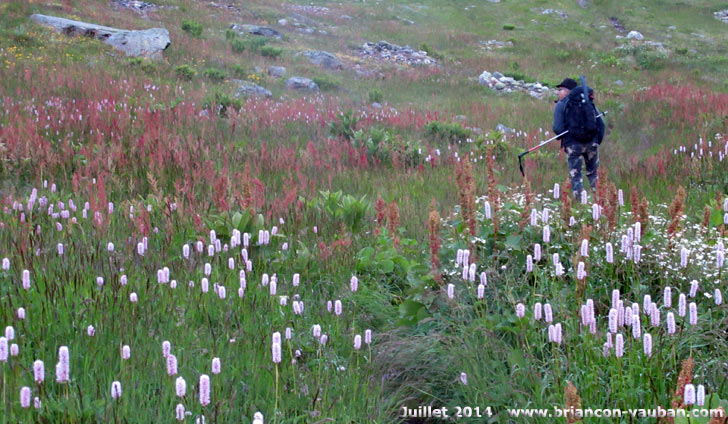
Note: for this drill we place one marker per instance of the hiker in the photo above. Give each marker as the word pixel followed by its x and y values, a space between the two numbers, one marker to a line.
pixel 579 143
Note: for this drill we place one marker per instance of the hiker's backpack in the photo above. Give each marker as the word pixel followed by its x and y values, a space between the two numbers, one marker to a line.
pixel 580 117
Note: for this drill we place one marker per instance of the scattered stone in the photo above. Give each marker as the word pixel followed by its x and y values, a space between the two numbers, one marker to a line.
pixel 583 4
pixel 277 71
pixel 226 7
pixel 345 17
pixel 505 130
pixel 305 24
pixel 388 52
pixel 301 83
pixel 256 30
pixel 499 82
pixel 376 105
pixel 635 35
pixel 147 43
pixel 140 7
pixel 311 10
pixel 495 44
pixel 560 13
pixel 619 83
pixel 617 24
pixel 494 1
pixel 721 15
pixel 324 59
pixel 249 89
pixel 672 27
pixel 655 44
pixel 282 22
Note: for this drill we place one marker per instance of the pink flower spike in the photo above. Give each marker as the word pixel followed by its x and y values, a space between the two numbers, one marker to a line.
pixel 204 390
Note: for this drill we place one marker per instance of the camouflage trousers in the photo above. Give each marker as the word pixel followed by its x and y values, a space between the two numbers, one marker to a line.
pixel 576 153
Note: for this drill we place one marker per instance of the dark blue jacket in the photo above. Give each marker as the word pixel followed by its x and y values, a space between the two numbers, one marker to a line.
pixel 560 124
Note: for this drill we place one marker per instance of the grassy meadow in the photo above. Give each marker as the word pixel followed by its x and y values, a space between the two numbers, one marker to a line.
pixel 171 252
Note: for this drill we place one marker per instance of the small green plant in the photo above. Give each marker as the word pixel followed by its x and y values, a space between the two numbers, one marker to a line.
pixel 185 72
pixel 238 46
pixel 431 52
pixel 326 83
pixel 446 131
pixel 345 126
pixel 339 207
pixel 509 27
pixel 270 51
pixel 255 44
pixel 239 71
pixel 222 102
pixel 231 34
pixel 375 96
pixel 193 28
pixel 213 74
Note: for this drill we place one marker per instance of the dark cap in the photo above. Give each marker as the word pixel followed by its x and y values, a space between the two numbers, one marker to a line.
pixel 568 83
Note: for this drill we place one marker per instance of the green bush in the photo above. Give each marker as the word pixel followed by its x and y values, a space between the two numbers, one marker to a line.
pixel 326 83
pixel 255 44
pixel 431 52
pixel 222 102
pixel 447 131
pixel 214 74
pixel 345 126
pixel 270 51
pixel 509 27
pixel 185 72
pixel 375 96
pixel 239 71
pixel 238 46
pixel 231 34
pixel 192 28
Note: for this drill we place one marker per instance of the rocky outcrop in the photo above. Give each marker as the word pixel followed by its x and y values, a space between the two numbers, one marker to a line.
pixel 495 44
pixel 324 59
pixel 721 15
pixel 301 83
pixel 146 43
pixel 388 52
pixel 140 7
pixel 256 30
pixel 249 89
pixel 277 71
pixel 502 83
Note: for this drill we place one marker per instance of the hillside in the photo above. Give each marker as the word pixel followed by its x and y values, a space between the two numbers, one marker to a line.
pixel 315 210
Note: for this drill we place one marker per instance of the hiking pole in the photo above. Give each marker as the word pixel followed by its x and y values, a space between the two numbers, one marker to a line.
pixel 543 143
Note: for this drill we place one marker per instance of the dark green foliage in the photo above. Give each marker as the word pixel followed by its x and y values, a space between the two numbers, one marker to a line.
pixel 326 83
pixel 345 126
pixel 446 131
pixel 193 28
pixel 270 51
pixel 238 46
pixel 185 72
pixel 375 96
pixel 214 74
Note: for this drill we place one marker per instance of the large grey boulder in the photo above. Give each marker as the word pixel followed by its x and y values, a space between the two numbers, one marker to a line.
pixel 256 30
pixel 635 35
pixel 721 15
pixel 147 43
pixel 301 83
pixel 277 71
pixel 249 89
pixel 324 59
